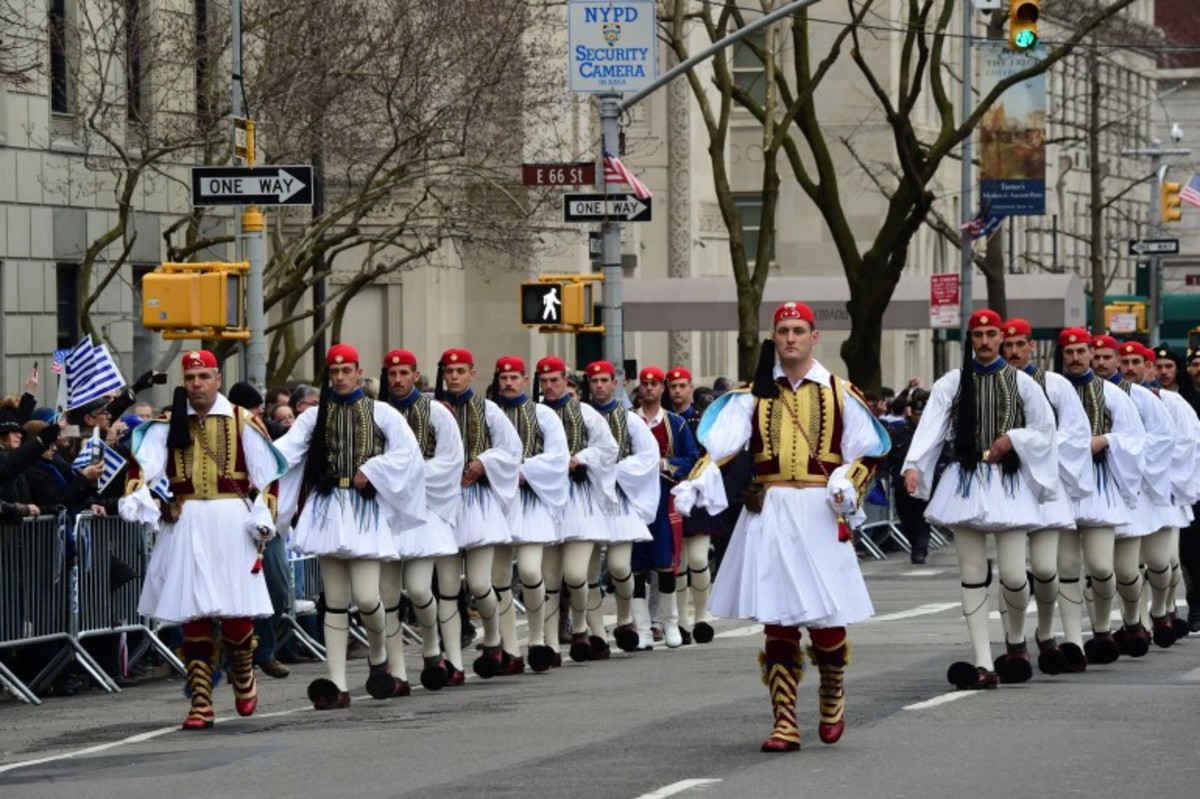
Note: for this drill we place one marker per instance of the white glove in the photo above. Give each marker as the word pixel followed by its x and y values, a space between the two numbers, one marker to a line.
pixel 259 525
pixel 685 497
pixel 842 499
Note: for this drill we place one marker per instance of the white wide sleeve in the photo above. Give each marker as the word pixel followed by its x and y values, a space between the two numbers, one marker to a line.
pixel 443 472
pixel 1034 443
pixel 501 463
pixel 1156 480
pixel 862 437
pixel 931 433
pixel 1074 438
pixel 398 474
pixel 1126 449
pixel 151 455
pixel 293 446
pixel 637 473
pixel 600 455
pixel 546 473
pixel 265 465
pixel 1183 456
pixel 724 436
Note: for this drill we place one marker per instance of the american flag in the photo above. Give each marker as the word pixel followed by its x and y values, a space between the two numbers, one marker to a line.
pixel 983 225
pixel 57 360
pixel 1191 192
pixel 616 172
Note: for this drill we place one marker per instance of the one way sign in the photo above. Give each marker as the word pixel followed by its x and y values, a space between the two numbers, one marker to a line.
pixel 603 207
pixel 252 185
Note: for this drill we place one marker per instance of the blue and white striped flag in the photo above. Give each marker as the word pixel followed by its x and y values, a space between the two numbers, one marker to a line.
pixel 91 373
pixel 113 462
pixel 162 488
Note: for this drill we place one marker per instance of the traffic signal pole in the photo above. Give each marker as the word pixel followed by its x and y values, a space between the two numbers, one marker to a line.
pixel 611 107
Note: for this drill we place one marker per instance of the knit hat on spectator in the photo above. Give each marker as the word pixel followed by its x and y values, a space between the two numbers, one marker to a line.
pixel 10 426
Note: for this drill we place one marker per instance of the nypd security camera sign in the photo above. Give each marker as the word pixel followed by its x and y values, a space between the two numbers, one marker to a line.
pixel 613 48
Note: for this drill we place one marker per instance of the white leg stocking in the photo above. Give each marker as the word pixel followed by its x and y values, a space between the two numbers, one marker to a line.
pixel 533 591
pixel 1099 547
pixel 620 569
pixel 1043 565
pixel 1156 552
pixel 418 580
pixel 391 589
pixel 576 558
pixel 971 548
pixel 364 586
pixel 1010 554
pixel 335 583
pixel 699 576
pixel 1126 557
pixel 552 577
pixel 595 597
pixel 681 588
pixel 1176 572
pixel 449 578
pixel 479 583
pixel 1070 587
pixel 502 561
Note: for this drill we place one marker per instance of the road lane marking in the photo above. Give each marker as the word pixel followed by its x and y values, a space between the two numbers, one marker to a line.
pixel 920 610
pixel 1190 676
pixel 677 787
pixel 922 572
pixel 740 632
pixel 953 696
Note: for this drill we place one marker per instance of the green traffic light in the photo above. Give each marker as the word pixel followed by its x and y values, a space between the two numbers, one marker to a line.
pixel 1026 40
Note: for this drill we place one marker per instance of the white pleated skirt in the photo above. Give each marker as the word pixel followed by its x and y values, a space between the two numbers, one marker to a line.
pixel 584 518
pixel 481 519
pixel 200 566
pixel 786 566
pixel 346 525
pixel 990 501
pixel 625 523
pixel 531 521
pixel 1059 513
pixel 1105 507
pixel 433 539
pixel 1149 518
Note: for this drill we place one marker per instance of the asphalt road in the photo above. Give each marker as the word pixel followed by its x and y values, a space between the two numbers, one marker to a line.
pixel 685 722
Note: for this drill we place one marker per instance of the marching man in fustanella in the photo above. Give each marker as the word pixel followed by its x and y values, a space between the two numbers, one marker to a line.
pixel 1005 465
pixel 534 516
pixel 1116 439
pixel 791 561
pixel 220 463
pixel 1073 440
pixel 433 544
pixel 637 505
pixel 592 490
pixel 492 454
pixel 356 466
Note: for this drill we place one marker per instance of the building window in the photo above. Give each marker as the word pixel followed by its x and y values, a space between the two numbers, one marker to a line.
pixel 60 95
pixel 750 206
pixel 67 309
pixel 134 66
pixel 748 71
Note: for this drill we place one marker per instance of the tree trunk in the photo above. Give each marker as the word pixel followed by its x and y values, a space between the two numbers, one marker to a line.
pixel 993 273
pixel 869 298
pixel 749 303
pixel 1096 204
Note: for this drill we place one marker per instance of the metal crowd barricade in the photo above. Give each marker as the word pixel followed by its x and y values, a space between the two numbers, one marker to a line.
pixel 114 554
pixel 890 527
pixel 304 586
pixel 41 599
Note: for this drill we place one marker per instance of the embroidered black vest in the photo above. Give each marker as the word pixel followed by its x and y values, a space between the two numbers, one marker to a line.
pixel 998 406
pixel 351 438
pixel 417 414
pixel 618 422
pixel 524 418
pixel 576 429
pixel 471 416
pixel 1091 394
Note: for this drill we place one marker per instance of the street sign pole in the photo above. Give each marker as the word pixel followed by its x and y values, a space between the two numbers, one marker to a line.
pixel 610 232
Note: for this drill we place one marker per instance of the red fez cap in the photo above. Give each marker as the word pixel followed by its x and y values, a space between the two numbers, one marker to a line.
pixel 1073 335
pixel 652 373
pixel 551 363
pixel 459 355
pixel 795 310
pixel 400 358
pixel 601 368
pixel 510 363
pixel 679 373
pixel 1017 327
pixel 1132 348
pixel 1104 342
pixel 983 318
pixel 199 359
pixel 341 353
pixel 1147 353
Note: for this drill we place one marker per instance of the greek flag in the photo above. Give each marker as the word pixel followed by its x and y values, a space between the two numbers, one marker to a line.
pixel 162 488
pixel 91 373
pixel 113 462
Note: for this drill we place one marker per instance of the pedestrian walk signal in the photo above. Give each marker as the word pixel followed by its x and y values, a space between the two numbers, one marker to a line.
pixel 547 304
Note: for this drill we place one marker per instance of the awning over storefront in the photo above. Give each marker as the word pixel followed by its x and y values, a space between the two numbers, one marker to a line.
pixel 710 303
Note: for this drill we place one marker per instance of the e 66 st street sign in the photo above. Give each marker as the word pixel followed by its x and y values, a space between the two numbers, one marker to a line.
pixel 582 173
pixel 1154 247
pixel 252 185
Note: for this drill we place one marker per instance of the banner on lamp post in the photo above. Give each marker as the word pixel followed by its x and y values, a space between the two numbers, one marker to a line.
pixel 1012 135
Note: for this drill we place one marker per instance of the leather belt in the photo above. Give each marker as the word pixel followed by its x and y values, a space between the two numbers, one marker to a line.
pixel 820 482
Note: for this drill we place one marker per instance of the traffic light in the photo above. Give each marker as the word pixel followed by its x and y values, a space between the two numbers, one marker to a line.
pixel 1023 24
pixel 551 304
pixel 1168 201
pixel 196 300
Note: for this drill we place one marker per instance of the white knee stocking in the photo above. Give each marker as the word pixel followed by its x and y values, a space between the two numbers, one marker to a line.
pixel 533 591
pixel 391 589
pixel 1156 553
pixel 595 597
pixel 418 581
pixel 970 546
pixel 1126 557
pixel 1099 547
pixel 699 576
pixel 1070 587
pixel 1176 571
pixel 506 609
pixel 620 569
pixel 479 581
pixel 364 585
pixel 576 558
pixel 552 577
pixel 1010 554
pixel 335 583
pixel 1043 565
pixel 449 578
